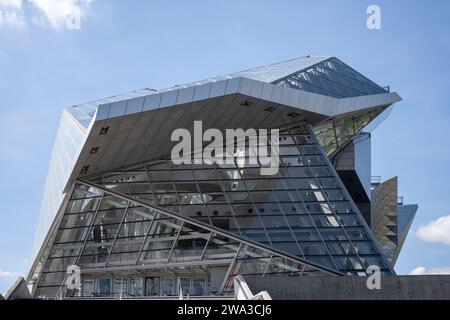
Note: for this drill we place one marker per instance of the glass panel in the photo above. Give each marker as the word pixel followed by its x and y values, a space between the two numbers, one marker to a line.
pixel 112 202
pixel 87 287
pixel 120 286
pixel 65 250
pixel 104 287
pixel 190 244
pixel 125 251
pixel 71 235
pixel 160 240
pixel 83 205
pixel 52 279
pixel 221 248
pixel 136 287
pixel 59 264
pixel 185 284
pixel 168 286
pixel 198 286
pixel 152 286
pixel 77 220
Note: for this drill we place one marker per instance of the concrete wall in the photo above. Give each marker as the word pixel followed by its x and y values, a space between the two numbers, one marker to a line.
pixel 434 287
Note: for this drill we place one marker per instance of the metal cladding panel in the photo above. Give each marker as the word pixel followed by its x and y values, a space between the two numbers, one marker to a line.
pixel 134 105
pixel 185 95
pixel 384 215
pixel 84 113
pixel 221 112
pixel 363 160
pixel 405 216
pixel 168 99
pixel 151 102
pixel 218 89
pixel 202 92
pixel 356 156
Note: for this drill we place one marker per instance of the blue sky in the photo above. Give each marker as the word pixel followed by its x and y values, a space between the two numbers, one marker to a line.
pixel 47 64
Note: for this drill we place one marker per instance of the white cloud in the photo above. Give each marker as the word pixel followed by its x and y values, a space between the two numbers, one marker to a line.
pixel 60 13
pixel 7 278
pixel 11 14
pixel 436 231
pixel 14 4
pixel 12 18
pixel 8 274
pixel 423 271
pixel 56 14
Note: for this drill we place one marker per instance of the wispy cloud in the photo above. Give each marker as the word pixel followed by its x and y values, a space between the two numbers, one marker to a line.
pixel 60 14
pixel 422 271
pixel 7 278
pixel 8 274
pixel 55 14
pixel 436 231
pixel 17 4
pixel 11 14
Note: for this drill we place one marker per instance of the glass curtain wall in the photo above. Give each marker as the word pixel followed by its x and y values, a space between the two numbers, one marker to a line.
pixel 105 234
pixel 302 210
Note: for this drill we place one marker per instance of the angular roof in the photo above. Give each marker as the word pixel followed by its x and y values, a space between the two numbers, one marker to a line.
pixel 319 74
pixel 268 73
pixel 85 112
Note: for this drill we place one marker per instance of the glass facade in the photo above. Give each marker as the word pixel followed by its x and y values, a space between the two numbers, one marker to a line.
pixel 209 221
pixel 192 218
pixel 331 78
pixel 303 210
pixel 105 234
pixel 161 215
pixel 69 141
pixel 336 133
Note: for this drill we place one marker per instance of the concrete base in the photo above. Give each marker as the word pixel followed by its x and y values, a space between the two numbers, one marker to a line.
pixel 429 287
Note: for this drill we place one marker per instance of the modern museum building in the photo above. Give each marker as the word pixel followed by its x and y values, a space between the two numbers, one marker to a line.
pixel 137 224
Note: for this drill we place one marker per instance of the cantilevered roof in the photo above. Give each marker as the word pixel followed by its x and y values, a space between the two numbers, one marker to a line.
pixel 314 89
pixel 271 73
pixel 85 112
pixel 140 128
